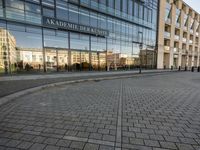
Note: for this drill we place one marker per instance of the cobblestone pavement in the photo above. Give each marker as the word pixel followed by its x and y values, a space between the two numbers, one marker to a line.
pixel 142 113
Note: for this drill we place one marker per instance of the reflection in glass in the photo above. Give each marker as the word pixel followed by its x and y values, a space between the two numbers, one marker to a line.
pixel 26 49
pixel 51 60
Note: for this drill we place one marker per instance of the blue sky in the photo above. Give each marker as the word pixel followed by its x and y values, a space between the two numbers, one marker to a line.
pixel 195 4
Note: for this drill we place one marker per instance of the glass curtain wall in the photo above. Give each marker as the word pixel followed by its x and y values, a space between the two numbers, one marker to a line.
pixel 27 45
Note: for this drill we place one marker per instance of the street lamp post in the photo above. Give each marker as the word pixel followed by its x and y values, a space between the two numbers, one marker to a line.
pixel 140 47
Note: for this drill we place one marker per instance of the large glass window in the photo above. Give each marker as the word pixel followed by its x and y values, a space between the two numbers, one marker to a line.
pixel 85 2
pixel 73 14
pixel 57 39
pixel 98 44
pixel 15 9
pixel 33 12
pixel 141 11
pixel 102 21
pixel 61 10
pixel 130 7
pixel 1 8
pixel 26 47
pixel 84 17
pixel 111 6
pixel 48 12
pixel 93 19
pixel 102 5
pixel 118 4
pixel 124 5
pixel 56 46
pixel 111 3
pixel 49 3
pixel 94 4
pixel 4 57
pixel 79 41
pixel 136 9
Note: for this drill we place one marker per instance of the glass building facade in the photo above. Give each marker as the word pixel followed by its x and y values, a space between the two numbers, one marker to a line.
pixel 77 35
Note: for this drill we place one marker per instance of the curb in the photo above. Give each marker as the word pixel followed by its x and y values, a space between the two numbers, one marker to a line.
pixel 13 96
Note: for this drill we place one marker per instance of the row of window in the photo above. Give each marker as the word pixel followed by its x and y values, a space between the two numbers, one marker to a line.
pixel 30 37
pixel 136 11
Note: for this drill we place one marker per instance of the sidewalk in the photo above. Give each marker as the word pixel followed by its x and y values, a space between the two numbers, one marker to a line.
pixel 12 84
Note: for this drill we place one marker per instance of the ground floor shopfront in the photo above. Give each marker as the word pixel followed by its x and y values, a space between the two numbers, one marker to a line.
pixel 27 48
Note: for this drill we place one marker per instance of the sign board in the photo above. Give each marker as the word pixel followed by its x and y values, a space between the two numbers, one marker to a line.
pixel 59 24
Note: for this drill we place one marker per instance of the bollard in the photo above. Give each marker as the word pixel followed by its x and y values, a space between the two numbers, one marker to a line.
pixel 172 68
pixel 198 69
pixel 179 68
pixel 192 69
pixel 185 68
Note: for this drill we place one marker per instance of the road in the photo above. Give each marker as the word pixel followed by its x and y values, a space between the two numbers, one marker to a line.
pixel 141 113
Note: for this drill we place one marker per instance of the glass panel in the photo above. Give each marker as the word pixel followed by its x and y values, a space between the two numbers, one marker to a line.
pixel 51 60
pixel 26 54
pixel 79 41
pixel 15 9
pixel 85 61
pixel 62 60
pixel 61 10
pixel 102 61
pixel 76 60
pixel 48 3
pixel 85 2
pixel 73 14
pixel 1 9
pixel 95 61
pixel 58 39
pixel 4 58
pixel 48 12
pixel 94 4
pixel 84 17
pixel 118 4
pixel 33 13
pixel 93 19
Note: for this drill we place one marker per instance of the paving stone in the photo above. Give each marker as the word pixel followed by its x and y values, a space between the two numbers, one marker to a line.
pixel 39 139
pixel 50 147
pixel 184 146
pixel 3 141
pixel 63 143
pixel 103 147
pixel 13 143
pixel 136 141
pixel 24 145
pixel 51 141
pixel 89 146
pixel 77 145
pixel 37 146
pixel 152 143
pixel 97 136
pixel 168 145
pixel 108 138
pixel 103 131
